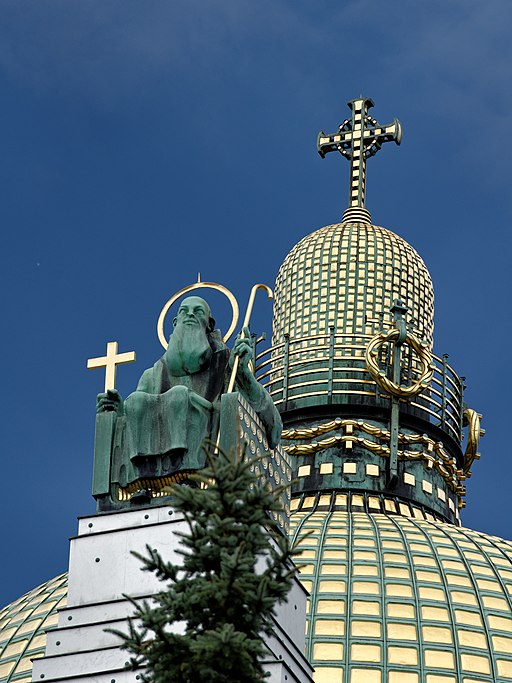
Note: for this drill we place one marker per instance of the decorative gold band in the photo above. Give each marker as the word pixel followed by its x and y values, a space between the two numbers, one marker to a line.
pixel 435 455
pixel 356 214
pixel 157 486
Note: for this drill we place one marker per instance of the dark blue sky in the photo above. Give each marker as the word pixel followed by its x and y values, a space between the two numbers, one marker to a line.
pixel 142 142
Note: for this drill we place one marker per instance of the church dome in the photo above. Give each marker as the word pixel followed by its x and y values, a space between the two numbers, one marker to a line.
pixel 396 596
pixel 23 626
pixel 335 291
pixel 399 591
pixel 401 599
pixel 347 276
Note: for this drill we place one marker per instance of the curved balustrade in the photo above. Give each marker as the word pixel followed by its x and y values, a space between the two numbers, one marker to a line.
pixel 333 366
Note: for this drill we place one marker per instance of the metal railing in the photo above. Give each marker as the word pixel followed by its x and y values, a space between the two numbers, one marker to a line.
pixel 332 367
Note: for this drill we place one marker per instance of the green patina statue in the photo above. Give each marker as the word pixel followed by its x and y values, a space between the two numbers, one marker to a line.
pixel 158 431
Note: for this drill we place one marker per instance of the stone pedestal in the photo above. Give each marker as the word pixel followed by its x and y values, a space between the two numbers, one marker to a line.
pixel 102 570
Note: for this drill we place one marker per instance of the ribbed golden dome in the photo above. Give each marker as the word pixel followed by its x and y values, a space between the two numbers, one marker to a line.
pixel 396 599
pixel 23 627
pixel 347 276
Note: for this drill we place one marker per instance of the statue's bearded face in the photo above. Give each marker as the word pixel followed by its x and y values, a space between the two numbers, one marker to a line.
pixel 193 311
pixel 189 349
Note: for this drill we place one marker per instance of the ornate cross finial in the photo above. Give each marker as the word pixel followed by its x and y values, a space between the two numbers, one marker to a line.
pixel 110 363
pixel 358 138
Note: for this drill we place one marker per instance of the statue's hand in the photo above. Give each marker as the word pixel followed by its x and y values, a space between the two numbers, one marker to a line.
pixel 244 349
pixel 109 401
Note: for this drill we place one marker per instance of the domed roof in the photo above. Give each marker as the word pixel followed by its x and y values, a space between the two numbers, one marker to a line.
pixel 347 276
pixel 23 624
pixel 398 599
pixel 393 599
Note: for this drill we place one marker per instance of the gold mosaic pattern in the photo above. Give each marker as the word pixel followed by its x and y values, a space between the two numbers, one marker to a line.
pixel 275 468
pixel 403 600
pixel 22 628
pixel 347 275
pixel 363 501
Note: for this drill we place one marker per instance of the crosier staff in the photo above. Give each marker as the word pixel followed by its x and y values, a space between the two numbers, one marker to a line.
pixel 245 324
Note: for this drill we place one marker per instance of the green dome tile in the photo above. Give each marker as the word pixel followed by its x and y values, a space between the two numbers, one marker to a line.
pixel 23 626
pixel 404 600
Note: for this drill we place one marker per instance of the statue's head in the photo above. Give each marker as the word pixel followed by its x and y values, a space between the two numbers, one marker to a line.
pixel 195 311
pixel 190 345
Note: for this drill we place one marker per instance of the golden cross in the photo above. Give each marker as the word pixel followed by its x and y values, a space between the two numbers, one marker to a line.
pixel 357 139
pixel 110 363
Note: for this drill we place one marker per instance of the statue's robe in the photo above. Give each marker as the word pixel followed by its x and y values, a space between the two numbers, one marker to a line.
pixel 163 423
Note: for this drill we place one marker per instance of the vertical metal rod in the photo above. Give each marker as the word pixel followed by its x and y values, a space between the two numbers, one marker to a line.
pixel 443 392
pixel 286 363
pixel 398 311
pixel 388 357
pixel 331 364
pixel 409 366
pixel 395 411
pixel 461 407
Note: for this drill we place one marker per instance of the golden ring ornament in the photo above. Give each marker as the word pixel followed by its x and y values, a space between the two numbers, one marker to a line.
pixel 387 385
pixel 190 288
pixel 474 433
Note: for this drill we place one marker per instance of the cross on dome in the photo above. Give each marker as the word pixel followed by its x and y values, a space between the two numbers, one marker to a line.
pixel 357 139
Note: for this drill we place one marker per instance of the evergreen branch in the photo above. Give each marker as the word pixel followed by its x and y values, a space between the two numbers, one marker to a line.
pixel 223 604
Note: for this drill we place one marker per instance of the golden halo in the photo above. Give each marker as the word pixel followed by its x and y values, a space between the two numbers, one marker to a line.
pixel 191 288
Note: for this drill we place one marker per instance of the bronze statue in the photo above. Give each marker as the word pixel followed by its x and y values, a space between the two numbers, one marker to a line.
pixel 160 428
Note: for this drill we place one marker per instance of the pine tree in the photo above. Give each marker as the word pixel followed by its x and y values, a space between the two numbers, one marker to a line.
pixel 236 568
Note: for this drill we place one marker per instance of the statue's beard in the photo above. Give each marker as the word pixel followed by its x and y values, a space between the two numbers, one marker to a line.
pixel 189 350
